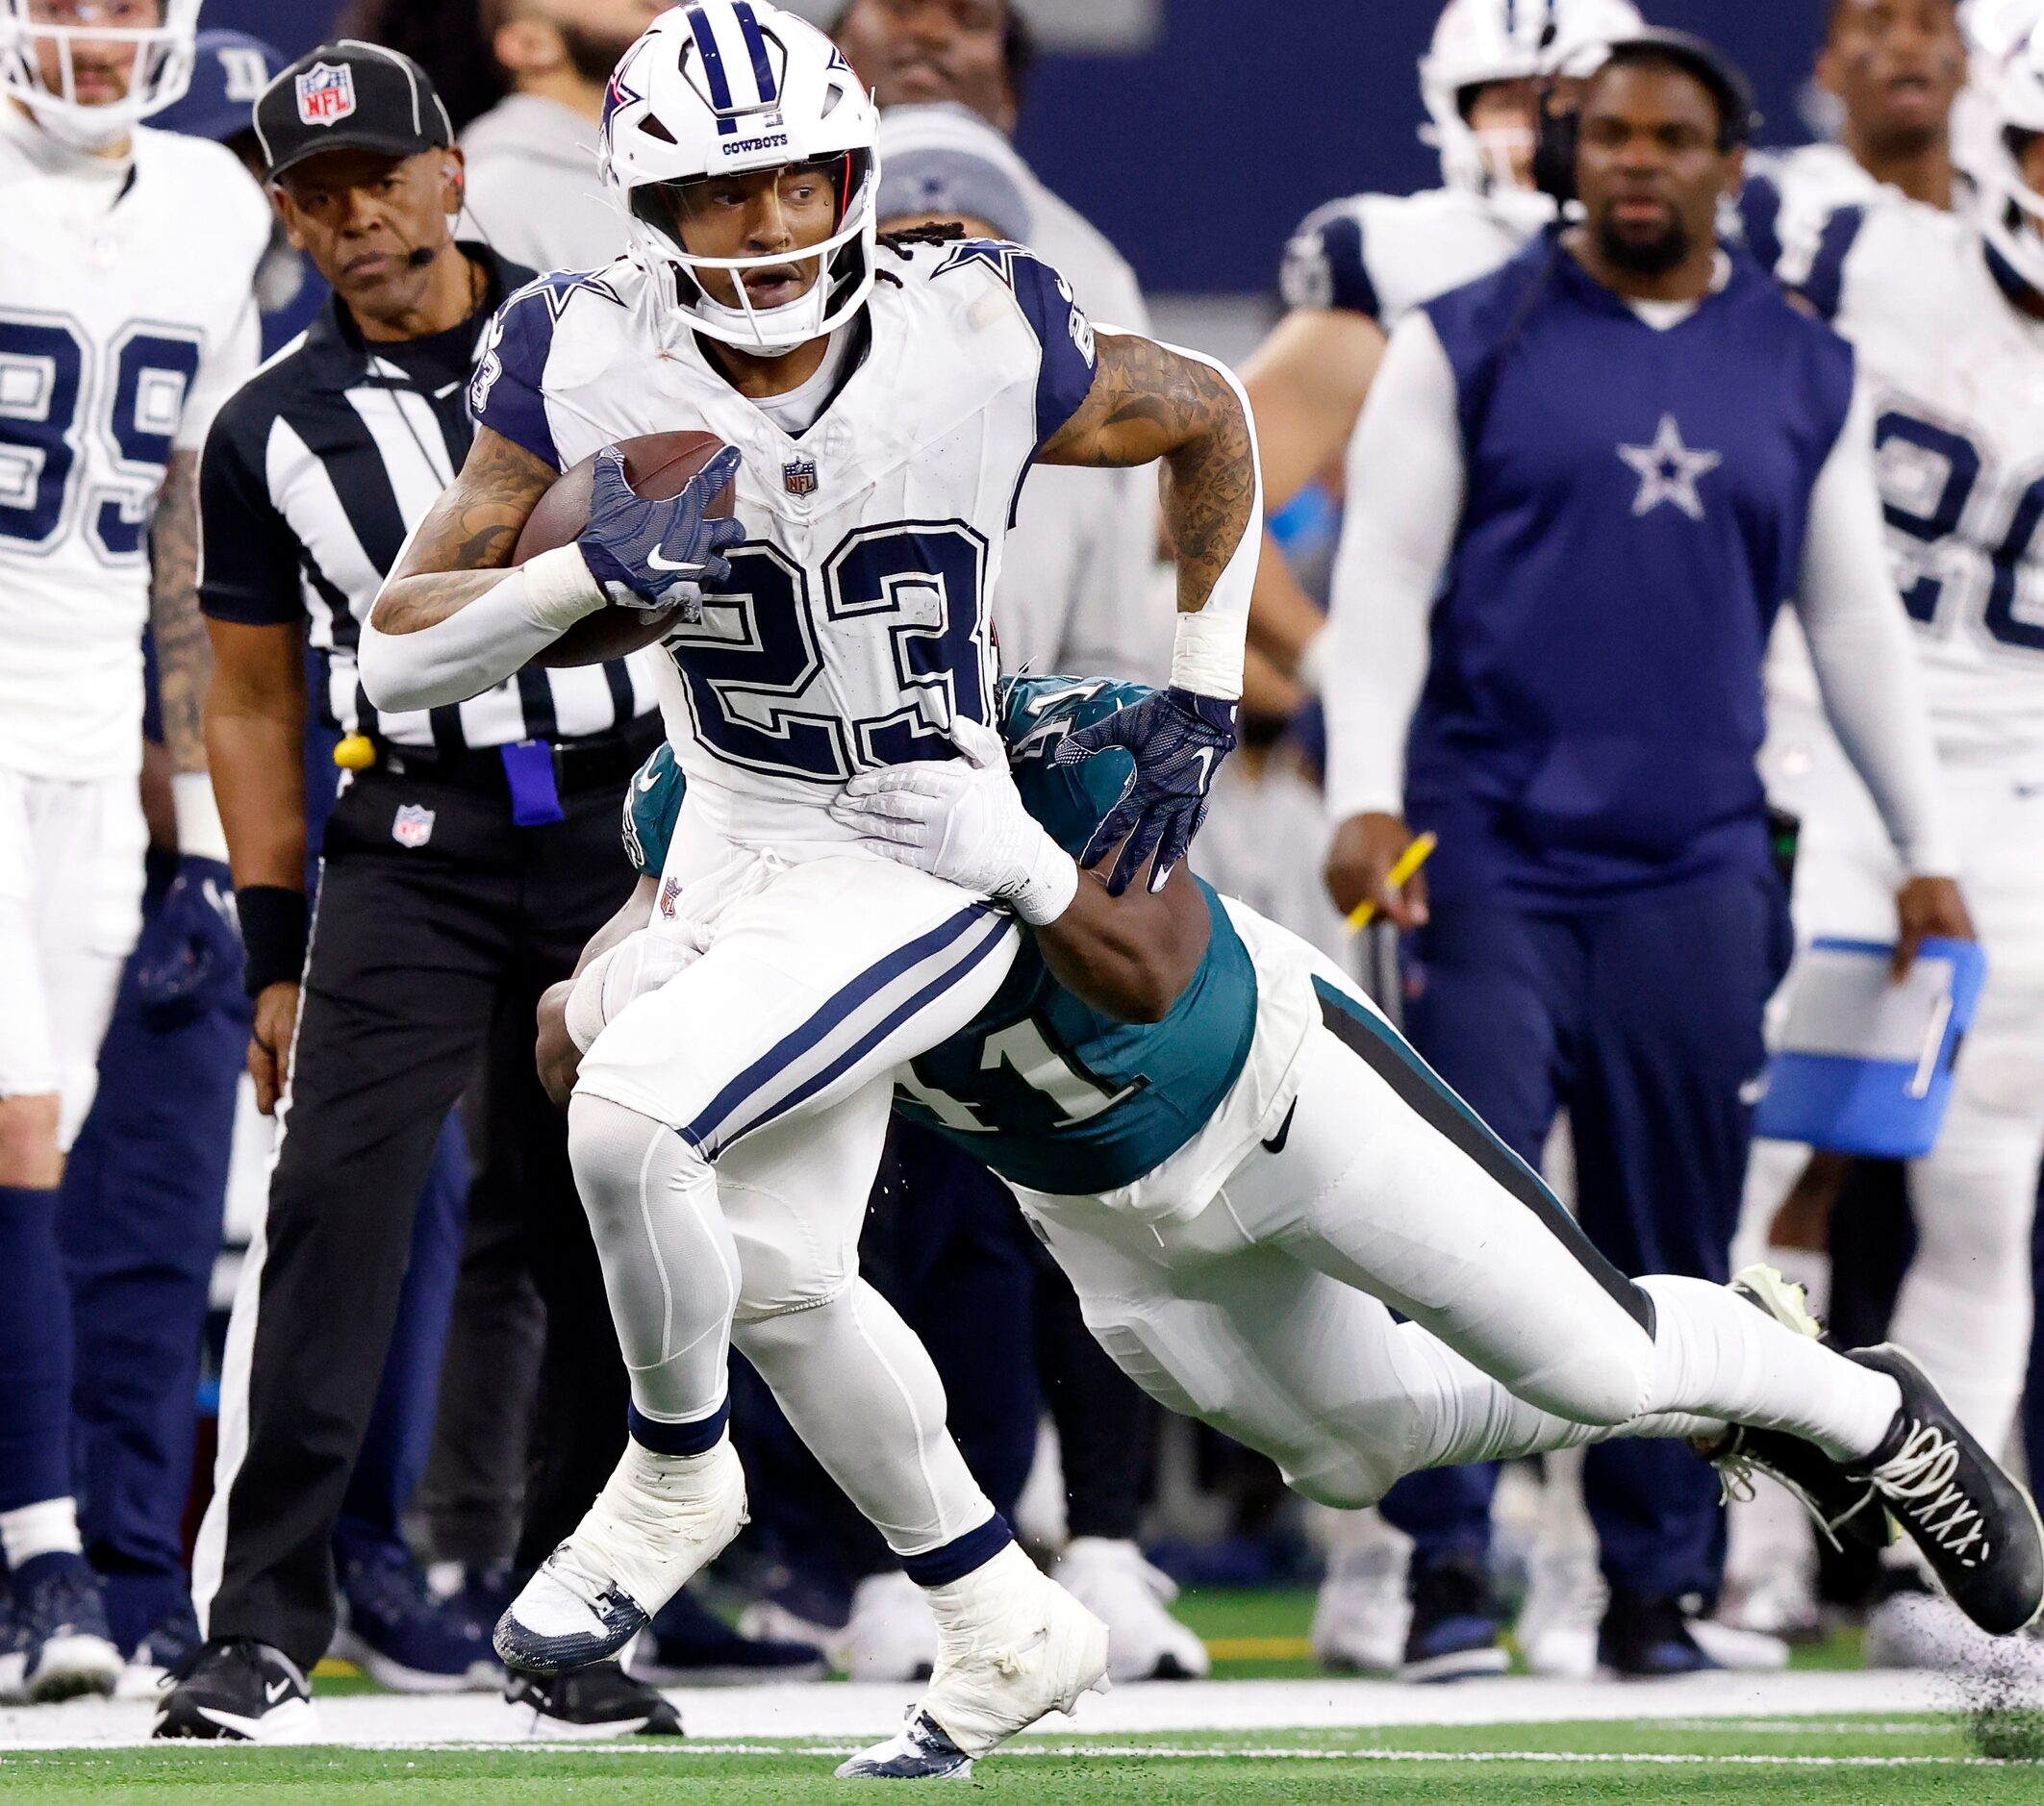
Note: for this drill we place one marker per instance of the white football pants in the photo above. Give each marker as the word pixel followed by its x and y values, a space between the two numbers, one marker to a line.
pixel 1966 1303
pixel 1270 1313
pixel 725 1132
pixel 70 909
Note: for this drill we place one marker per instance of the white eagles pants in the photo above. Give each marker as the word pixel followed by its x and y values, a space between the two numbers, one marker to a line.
pixel 1966 1303
pixel 70 910
pixel 726 1130
pixel 1269 1314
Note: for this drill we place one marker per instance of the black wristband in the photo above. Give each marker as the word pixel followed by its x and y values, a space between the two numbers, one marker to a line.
pixel 275 922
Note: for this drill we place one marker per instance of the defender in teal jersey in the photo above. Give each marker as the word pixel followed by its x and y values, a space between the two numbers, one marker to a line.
pixel 1246 1171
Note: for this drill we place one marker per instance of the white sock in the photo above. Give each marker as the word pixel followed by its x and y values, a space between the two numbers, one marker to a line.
pixel 1719 1357
pixel 49 1527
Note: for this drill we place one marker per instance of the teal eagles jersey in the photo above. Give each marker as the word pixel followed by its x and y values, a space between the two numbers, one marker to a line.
pixel 1045 1089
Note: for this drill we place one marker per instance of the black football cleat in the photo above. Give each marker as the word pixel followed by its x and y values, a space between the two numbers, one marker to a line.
pixel 237 1690
pixel 1975 1526
pixel 920 1751
pixel 1845 1504
pixel 598 1700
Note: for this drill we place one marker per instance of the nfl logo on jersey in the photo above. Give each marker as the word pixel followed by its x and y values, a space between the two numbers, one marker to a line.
pixel 799 478
pixel 326 94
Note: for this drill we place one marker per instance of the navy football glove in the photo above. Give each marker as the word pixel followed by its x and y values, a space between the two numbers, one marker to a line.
pixel 658 555
pixel 189 957
pixel 1178 741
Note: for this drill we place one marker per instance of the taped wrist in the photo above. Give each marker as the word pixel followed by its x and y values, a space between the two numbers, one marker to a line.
pixel 583 1016
pixel 556 590
pixel 1045 892
pixel 276 924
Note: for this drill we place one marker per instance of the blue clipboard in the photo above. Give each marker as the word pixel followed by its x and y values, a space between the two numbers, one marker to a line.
pixel 1863 1064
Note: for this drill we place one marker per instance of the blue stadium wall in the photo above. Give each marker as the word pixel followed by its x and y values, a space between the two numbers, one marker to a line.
pixel 1199 156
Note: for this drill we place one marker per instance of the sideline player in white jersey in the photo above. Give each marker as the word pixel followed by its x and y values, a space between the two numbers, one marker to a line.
pixel 1946 313
pixel 127 315
pixel 1895 67
pixel 882 403
pixel 1245 1170
pixel 1355 266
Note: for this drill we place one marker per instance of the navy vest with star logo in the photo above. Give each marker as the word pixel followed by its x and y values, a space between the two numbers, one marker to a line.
pixel 1634 515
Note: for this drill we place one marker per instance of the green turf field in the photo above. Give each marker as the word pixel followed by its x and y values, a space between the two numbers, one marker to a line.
pixel 1893 1762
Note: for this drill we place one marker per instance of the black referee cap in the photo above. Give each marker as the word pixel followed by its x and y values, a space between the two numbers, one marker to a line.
pixel 349 95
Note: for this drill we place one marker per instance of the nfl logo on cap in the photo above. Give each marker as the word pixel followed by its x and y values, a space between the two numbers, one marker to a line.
pixel 326 93
pixel 799 478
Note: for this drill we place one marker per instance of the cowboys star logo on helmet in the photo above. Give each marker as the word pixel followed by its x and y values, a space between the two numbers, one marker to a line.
pixel 722 86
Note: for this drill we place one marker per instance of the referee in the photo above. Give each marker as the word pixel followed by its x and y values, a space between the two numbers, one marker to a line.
pixel 470 854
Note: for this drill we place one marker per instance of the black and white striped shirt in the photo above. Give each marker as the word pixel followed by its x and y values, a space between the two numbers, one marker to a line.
pixel 312 475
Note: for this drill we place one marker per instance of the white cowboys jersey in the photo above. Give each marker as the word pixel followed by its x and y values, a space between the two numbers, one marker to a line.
pixel 1383 255
pixel 127 316
pixel 855 625
pixel 1957 373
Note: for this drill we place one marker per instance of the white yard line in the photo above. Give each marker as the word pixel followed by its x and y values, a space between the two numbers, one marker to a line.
pixel 738 1714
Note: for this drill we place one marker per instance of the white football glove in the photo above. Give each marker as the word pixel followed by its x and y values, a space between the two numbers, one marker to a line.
pixel 963 820
pixel 642 962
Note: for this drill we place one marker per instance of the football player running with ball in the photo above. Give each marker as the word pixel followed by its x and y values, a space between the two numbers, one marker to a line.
pixel 882 402
pixel 1246 1171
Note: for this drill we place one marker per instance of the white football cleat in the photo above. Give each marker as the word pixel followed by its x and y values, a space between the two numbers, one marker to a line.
pixel 1565 1601
pixel 1362 1614
pixel 890 1635
pixel 1738 1647
pixel 1012 1644
pixel 657 1520
pixel 1110 1578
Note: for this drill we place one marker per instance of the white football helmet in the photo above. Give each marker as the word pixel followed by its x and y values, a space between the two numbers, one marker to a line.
pixel 1480 41
pixel 164 53
pixel 716 87
pixel 2009 71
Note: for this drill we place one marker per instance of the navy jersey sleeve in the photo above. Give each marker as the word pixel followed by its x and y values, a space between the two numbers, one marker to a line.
pixel 1761 219
pixel 249 568
pixel 507 392
pixel 1824 287
pixel 1324 264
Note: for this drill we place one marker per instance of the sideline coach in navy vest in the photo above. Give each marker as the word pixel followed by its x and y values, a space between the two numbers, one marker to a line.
pixel 1579 491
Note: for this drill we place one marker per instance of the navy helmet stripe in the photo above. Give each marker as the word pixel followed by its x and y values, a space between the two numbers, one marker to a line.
pixel 756 44
pixel 712 69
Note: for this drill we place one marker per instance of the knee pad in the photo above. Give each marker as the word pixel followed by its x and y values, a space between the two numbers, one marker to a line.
pixel 1608 1382
pixel 1345 1478
pixel 792 1258
pixel 608 1147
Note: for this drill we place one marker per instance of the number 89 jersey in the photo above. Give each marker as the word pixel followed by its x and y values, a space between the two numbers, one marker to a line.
pixel 127 316
pixel 855 624
pixel 1956 375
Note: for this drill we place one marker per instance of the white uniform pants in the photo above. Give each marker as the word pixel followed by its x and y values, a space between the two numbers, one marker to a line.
pixel 726 1131
pixel 1269 1312
pixel 70 909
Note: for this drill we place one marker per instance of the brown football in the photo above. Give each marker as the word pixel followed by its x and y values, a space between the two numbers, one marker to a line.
pixel 656 464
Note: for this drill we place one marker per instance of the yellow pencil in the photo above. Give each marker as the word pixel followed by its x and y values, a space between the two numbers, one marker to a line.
pixel 1409 861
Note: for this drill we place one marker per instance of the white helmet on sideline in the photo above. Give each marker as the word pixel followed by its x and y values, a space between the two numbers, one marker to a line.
pixel 158 74
pixel 722 86
pixel 1480 41
pixel 2009 69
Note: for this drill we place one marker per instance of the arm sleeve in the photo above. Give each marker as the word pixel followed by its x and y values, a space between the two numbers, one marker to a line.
pixel 248 555
pixel 1405 483
pixel 1859 644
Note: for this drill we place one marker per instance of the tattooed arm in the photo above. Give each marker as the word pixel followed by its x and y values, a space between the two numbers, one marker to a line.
pixel 451 619
pixel 184 658
pixel 1152 402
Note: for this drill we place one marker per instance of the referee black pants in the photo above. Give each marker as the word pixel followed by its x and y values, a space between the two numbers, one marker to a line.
pixel 428 957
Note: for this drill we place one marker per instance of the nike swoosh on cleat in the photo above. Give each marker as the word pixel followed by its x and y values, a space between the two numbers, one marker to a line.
pixel 654 561
pixel 1277 1143
pixel 276 1690
pixel 233 1721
